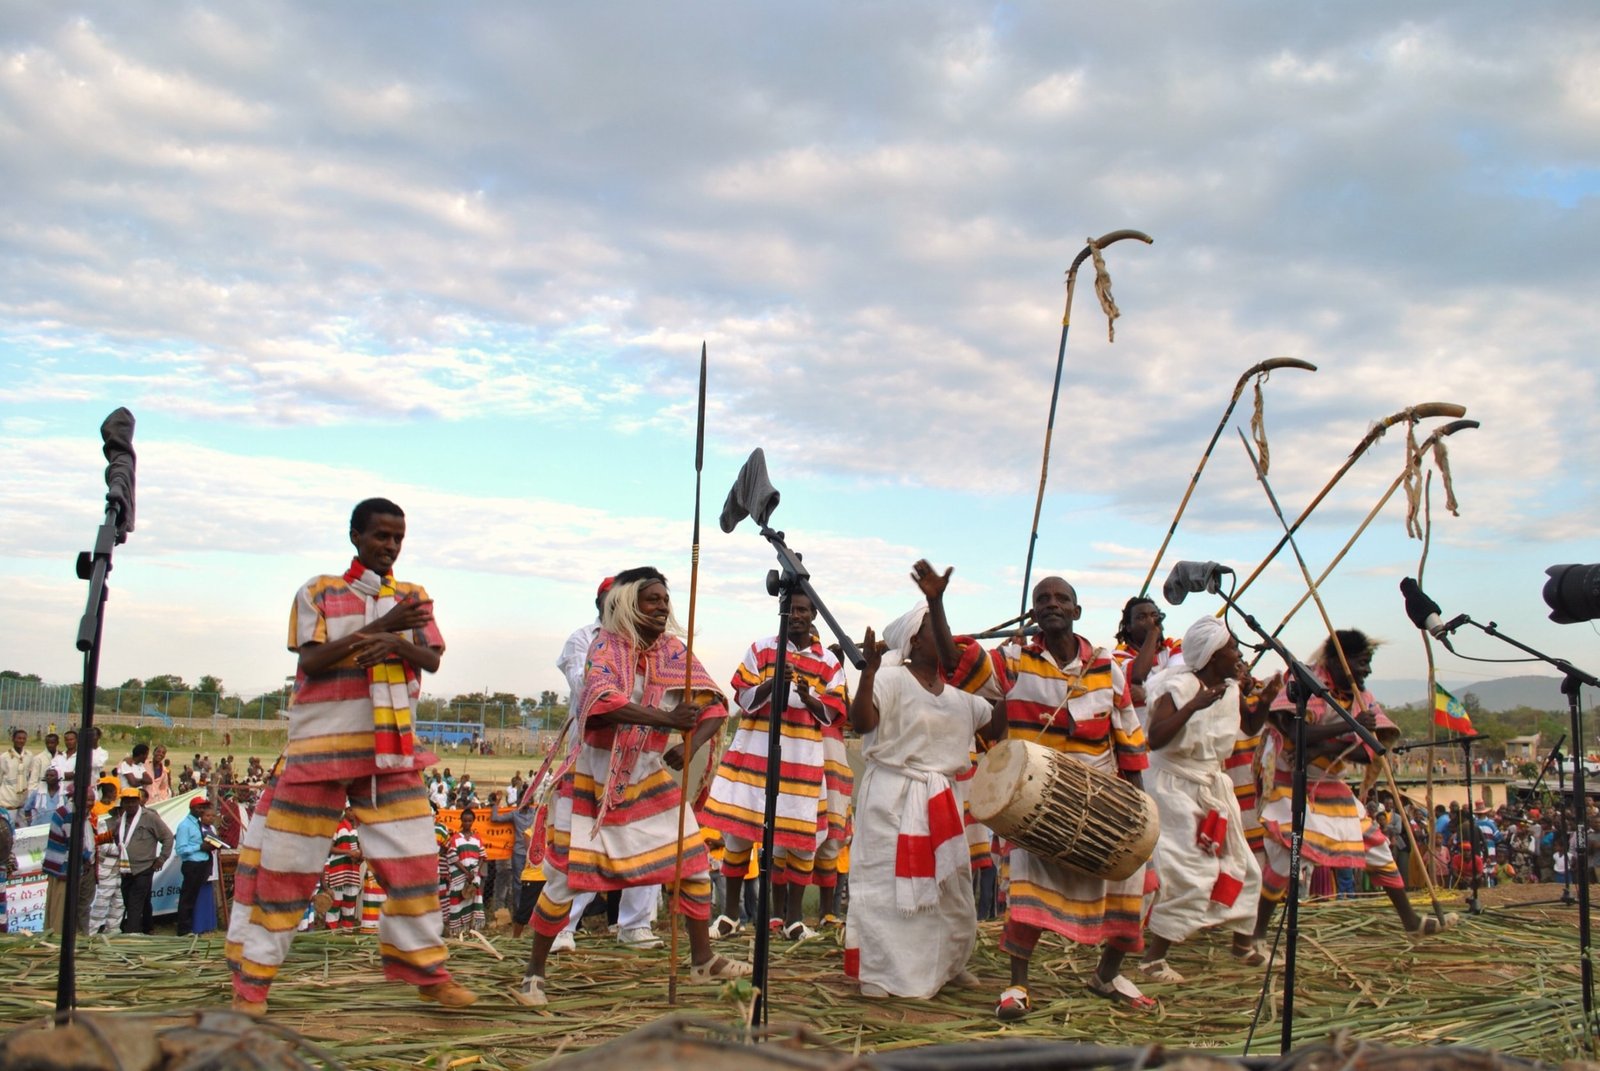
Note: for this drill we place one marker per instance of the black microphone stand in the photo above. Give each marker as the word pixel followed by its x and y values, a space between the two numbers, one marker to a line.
pixel 1304 684
pixel 1573 680
pixel 1474 839
pixel 117 434
pixel 783 582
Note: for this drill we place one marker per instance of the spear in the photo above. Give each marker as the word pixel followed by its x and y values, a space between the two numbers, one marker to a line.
pixel 688 680
pixel 1259 372
pixel 1102 285
pixel 1338 648
pixel 1410 416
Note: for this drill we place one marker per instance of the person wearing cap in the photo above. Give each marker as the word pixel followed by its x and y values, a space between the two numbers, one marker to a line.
pixel 1069 695
pixel 362 640
pixel 105 910
pixel 636 906
pixel 57 847
pixel 191 844
pixel 913 924
pixel 1209 877
pixel 144 845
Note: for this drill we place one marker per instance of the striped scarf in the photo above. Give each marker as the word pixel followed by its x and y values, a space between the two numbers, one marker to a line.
pixel 388 682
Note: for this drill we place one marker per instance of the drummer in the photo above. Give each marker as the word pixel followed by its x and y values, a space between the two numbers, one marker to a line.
pixel 1066 694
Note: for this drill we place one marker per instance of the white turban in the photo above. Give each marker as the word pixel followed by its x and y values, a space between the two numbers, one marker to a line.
pixel 897 634
pixel 1205 638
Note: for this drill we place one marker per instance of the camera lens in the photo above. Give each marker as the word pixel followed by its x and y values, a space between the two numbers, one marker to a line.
pixel 1572 593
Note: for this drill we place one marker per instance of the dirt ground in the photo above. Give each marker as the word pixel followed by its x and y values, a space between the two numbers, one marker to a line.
pixel 1506 979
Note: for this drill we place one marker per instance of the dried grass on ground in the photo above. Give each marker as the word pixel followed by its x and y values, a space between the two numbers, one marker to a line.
pixel 1506 980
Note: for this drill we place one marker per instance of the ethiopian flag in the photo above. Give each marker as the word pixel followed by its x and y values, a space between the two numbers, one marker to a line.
pixel 1449 713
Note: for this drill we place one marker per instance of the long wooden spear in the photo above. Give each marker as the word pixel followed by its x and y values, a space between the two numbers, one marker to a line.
pixel 1259 372
pixel 1102 285
pixel 688 682
pixel 1411 463
pixel 1338 648
pixel 1410 416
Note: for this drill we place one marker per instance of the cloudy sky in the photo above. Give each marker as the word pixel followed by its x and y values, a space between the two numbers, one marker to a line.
pixel 465 257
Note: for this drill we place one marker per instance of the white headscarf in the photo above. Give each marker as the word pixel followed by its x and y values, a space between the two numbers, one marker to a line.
pixel 1204 638
pixel 897 634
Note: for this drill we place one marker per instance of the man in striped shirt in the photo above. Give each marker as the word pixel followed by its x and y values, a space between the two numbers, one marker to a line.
pixel 362 638
pixel 1066 694
pixel 737 803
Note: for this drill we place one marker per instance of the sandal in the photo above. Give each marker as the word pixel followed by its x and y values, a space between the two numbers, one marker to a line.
pixel 1251 957
pixel 1159 970
pixel 717 969
pixel 530 994
pixel 1121 991
pixel 1432 925
pixel 1013 1004
pixel 724 927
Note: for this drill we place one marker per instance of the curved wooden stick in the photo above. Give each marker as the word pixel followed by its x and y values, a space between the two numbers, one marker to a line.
pixel 1055 391
pixel 1238 391
pixel 1410 415
pixel 1426 444
pixel 1355 698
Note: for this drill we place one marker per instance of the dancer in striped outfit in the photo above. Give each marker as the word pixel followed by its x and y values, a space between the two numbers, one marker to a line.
pixel 361 638
pixel 737 803
pixel 342 876
pixel 1066 694
pixel 1338 830
pixel 614 823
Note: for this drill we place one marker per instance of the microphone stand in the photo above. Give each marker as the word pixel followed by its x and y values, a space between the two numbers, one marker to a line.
pixel 1572 681
pixel 1474 836
pixel 93 565
pixel 1305 684
pixel 791 576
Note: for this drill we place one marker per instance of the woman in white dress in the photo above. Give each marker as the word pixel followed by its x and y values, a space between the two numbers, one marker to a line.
pixel 912 924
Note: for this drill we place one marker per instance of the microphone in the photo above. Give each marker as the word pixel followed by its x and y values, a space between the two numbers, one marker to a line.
pixel 1192 576
pixel 1424 612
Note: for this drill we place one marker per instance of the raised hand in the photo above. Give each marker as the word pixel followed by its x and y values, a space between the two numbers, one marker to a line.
pixel 872 652
pixel 930 582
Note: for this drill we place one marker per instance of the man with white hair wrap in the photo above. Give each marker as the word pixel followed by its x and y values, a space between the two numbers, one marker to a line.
pixel 1209 877
pixel 912 925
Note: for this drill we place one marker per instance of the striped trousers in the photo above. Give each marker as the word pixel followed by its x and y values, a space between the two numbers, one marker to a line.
pixel 281 858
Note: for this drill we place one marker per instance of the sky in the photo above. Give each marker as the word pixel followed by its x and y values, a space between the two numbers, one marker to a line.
pixel 465 257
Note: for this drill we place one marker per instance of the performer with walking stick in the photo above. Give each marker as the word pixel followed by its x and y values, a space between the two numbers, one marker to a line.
pixel 612 824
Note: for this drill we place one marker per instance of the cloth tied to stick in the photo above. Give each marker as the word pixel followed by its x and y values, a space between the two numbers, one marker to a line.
pixel 1102 290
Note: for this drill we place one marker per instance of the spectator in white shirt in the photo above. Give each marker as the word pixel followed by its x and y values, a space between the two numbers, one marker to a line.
pixel 132 771
pixel 16 777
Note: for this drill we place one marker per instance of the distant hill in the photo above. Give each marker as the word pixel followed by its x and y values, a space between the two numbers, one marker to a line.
pixel 1534 691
